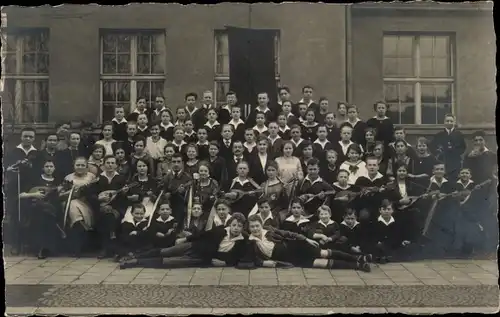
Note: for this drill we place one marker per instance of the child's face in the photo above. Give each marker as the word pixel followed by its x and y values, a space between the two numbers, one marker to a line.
pixel 287 150
pixel 142 120
pixel 324 215
pixel 422 148
pixel 165 211
pixel 313 171
pixel 227 132
pixel 49 168
pixel 342 109
pixel 188 126
pixel 98 154
pixel 159 103
pixel 449 122
pixel 131 130
pixel 352 113
pixel 307 151
pixel 342 178
pixel 169 152
pixel 80 166
pixel 74 140
pixel 107 131
pixel 372 166
pixel 212 116
pixel 402 172
pixel 142 168
pixel 202 135
pixel 271 172
pixel 284 95
pixel 262 146
pixel 330 119
pixel 273 129
pixel 165 118
pixel 231 100
pixel 479 142
pixel 255 228
pixel 196 211
pixel 307 93
pixel 207 98
pixel 322 133
pixel 386 212
pixel 204 172
pixel 378 150
pixel 296 134
pixel 120 154
pixel 324 104
pixel 465 175
pixel 281 121
pixel 138 214
pixel 181 114
pixel 155 130
pixel 353 156
pixel 119 113
pixel 400 148
pixel 177 164
pixel 179 135
pixel 346 134
pixel 190 101
pixel 141 104
pixel 249 136
pixel 286 107
pixel 110 164
pixel 302 110
pixel 213 150
pixel 262 99
pixel 242 170
pixel 51 141
pixel 399 135
pixel 191 152
pixel 260 119
pixel 139 147
pixel 264 208
pixel 296 210
pixel 381 109
pixel 222 210
pixel 350 220
pixel 310 116
pixel 235 113
pixel 235 228
pixel 331 158
pixel 369 137
pixel 438 171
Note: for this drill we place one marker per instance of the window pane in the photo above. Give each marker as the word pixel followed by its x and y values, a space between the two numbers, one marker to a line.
pixel 8 100
pixel 401 101
pixel 158 64
pixel 426 46
pixel 390 45
pixel 405 67
pixel 150 52
pixel 109 43
pixel 144 44
pixel 426 69
pixel 109 64
pixel 435 57
pixel 35 95
pixel 390 66
pixel 108 109
pixel 150 89
pixel 442 46
pixel 441 67
pixel 123 43
pixel 436 102
pixel 35 59
pixel 114 91
pixel 222 54
pixel 405 46
pixel 123 64
pixel 143 64
pixel 10 63
pixel 221 88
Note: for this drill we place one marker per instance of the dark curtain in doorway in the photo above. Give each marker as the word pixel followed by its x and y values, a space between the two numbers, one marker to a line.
pixel 251 64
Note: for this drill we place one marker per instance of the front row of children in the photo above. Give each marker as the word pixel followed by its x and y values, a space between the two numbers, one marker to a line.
pixel 257 242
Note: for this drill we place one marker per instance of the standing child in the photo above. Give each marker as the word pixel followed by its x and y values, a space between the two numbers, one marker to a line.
pixel 155 115
pixel 119 124
pixel 95 161
pixel 140 153
pixel 324 108
pixel 321 145
pixel 275 141
pixel 236 123
pixel 224 114
pixel 400 135
pixel 302 108
pixel 448 146
pixel 283 127
pixel 155 144
pixel 189 134
pixel 131 133
pixel 203 143
pixel 165 166
pixel 310 126
pixel 212 126
pixel 330 169
pixel 331 128
pixel 107 140
pixel 358 126
pixel 226 147
pixel 307 154
pixel 141 108
pixel 354 164
pixel 260 127
pixel 142 125
pixel 422 166
pixel 192 163
pixel 166 125
pixel 340 203
pixel 400 157
pixel 217 165
pixel 286 110
pixel 370 141
pixel 181 117
pixel 297 140
pixel 344 143
pixel 381 123
pixel 250 144
pixel 179 143
pixel 123 165
pixel 341 116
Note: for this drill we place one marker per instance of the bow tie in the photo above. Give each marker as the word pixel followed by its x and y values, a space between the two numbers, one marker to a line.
pixel 353 169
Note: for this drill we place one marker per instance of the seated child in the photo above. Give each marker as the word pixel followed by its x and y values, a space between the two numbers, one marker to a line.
pixel 163 228
pixel 297 222
pixel 133 231
pixel 196 225
pixel 266 215
pixel 353 231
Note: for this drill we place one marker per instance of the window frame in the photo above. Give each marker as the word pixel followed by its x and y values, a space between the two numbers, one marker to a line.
pixel 133 77
pixel 19 77
pixel 222 78
pixel 417 80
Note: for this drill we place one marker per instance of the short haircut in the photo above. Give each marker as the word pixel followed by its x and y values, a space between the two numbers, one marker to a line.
pixel 322 99
pixel 307 87
pixel 28 129
pixel 177 155
pixel 138 206
pixel 378 103
pixel 423 140
pixel 141 98
pixel 313 161
pixel 341 103
pixel 229 93
pixel 478 134
pixel 239 217
pixel 263 201
pixel 354 147
pixel 350 212
pixel 385 203
pixel 344 171
pixel 255 218
pixel 285 88
pixel 191 94
pixel 107 157
pixel 326 208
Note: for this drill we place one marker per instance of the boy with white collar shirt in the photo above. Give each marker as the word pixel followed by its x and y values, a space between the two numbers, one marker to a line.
pixel 224 114
pixel 321 145
pixel 159 108
pixel 342 146
pixel 381 123
pixel 260 127
pixel 354 231
pixel 119 124
pixel 262 107
pixel 275 141
pixel 163 228
pixel 141 108
pixel 212 126
pixel 283 128
pixel 237 124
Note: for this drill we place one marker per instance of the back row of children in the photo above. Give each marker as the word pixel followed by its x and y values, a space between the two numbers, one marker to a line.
pixel 298 150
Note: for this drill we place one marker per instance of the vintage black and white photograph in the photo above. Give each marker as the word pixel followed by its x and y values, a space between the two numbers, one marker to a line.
pixel 237 158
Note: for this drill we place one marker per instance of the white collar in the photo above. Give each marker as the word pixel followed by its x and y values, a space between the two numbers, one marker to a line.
pixel 237 180
pixel 308 104
pixel 142 130
pixel 315 181
pixel 380 219
pixel 161 110
pixel 265 110
pixel 205 143
pixel 136 110
pixel 288 115
pixel 468 183
pixel 237 123
pixel 256 128
pixel 376 176
pixel 189 134
pixel 344 188
pixel 315 124
pixel 217 219
pixel 330 221
pixel 104 174
pixel 227 141
pixel 263 235
pixel 249 146
pixel 287 128
pixel 449 130
pixel 270 216
pixel 321 143
pixel 32 148
pixel 169 125
pixel 297 143
pixel 177 123
pixel 226 107
pixel 119 122
pixel 298 222
pixel 386 117
pixel 191 112
pixel 47 179
pixel 170 218
pixel 345 145
pixel 273 140
pixel 182 143
pixel 355 122
pixel 433 180
pixel 345 224
pixel 212 125
pixel 131 220
pixel 228 235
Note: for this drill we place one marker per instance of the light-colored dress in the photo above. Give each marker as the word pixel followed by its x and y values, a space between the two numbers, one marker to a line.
pixel 79 208
pixel 288 167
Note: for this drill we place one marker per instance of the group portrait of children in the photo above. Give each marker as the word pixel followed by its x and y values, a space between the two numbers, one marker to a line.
pixel 290 184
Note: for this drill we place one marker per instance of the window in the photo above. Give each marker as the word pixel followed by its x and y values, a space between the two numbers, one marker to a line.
pixel 25 74
pixel 222 64
pixel 132 66
pixel 418 77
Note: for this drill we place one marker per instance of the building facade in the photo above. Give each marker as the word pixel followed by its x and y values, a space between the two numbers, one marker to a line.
pixel 76 62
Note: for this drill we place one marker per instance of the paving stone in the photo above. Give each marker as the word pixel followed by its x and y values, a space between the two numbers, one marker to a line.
pixel 378 282
pixel 403 283
pixel 350 282
pixel 26 281
pixel 267 281
pixel 434 281
pixel 488 282
pixel 204 282
pixel 319 281
pixel 86 282
pixel 149 281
